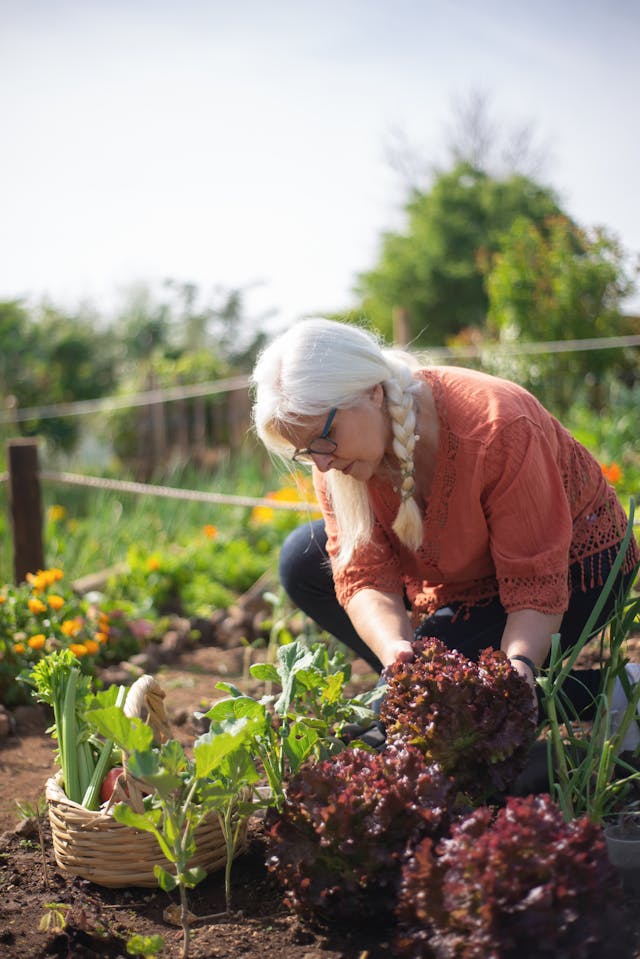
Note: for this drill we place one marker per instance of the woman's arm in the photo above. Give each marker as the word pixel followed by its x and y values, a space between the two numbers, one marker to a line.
pixel 528 633
pixel 382 621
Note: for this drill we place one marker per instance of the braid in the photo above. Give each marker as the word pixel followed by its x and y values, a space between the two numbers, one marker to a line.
pixel 400 401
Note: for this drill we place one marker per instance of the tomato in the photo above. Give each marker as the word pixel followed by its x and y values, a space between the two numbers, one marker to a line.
pixel 109 783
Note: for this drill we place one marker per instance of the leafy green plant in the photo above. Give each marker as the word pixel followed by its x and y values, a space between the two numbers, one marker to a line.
pixel 587 774
pixel 145 946
pixel 183 792
pixel 304 720
pixel 337 843
pixel 56 680
pixel 476 720
pixel 206 573
pixel 517 884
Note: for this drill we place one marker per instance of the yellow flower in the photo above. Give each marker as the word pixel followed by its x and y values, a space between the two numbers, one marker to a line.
pixel 78 649
pixel 56 513
pixel 302 492
pixel 55 601
pixel 153 563
pixel 19 648
pixel 36 605
pixel 37 641
pixel 71 627
pixel 91 646
pixel 3 599
pixel 210 531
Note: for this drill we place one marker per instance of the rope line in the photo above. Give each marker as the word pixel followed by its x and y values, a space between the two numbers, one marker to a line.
pixel 150 397
pixel 108 403
pixel 170 492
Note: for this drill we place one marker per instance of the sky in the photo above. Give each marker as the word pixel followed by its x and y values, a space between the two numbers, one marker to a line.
pixel 249 143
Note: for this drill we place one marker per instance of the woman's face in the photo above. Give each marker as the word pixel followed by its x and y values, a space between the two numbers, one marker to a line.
pixel 362 434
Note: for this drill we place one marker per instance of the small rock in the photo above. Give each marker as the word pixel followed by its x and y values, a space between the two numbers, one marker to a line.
pixel 7 722
pixel 174 643
pixel 120 674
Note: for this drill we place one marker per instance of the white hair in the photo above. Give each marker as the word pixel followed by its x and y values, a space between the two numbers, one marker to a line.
pixel 319 364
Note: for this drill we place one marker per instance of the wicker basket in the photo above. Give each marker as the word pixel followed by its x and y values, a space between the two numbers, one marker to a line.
pixel 95 846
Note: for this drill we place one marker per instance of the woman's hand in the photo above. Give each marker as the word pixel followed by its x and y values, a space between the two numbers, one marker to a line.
pixel 396 651
pixel 528 633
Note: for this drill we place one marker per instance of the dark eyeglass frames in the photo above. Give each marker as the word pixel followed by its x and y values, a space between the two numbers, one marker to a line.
pixel 321 445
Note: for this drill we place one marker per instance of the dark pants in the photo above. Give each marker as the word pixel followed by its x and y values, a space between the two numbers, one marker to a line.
pixel 306 576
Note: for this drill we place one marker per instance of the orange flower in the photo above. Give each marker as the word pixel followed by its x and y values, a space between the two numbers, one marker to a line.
pixel 153 563
pixel 37 641
pixel 78 649
pixel 3 599
pixel 19 648
pixel 210 531
pixel 612 472
pixel 55 601
pixel 43 578
pixel 36 605
pixel 91 646
pixel 102 637
pixel 71 627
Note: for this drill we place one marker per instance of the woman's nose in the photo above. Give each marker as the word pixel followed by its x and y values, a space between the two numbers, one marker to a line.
pixel 323 461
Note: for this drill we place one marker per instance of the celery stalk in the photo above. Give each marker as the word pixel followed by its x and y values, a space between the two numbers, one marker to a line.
pixel 67 739
pixel 92 794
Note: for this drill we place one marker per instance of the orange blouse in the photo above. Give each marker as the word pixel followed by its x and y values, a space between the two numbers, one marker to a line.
pixel 515 501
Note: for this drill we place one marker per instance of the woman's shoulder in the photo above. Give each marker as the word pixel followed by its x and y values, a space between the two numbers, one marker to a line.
pixel 474 403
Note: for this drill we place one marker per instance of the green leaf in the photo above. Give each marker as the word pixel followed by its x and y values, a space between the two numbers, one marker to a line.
pixel 145 945
pixel 235 708
pixel 129 733
pixel 191 877
pixel 146 766
pixel 173 757
pixel 147 821
pixel 209 750
pixel 299 744
pixel 165 880
pixel 265 672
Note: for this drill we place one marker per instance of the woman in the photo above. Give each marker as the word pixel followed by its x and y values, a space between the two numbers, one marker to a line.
pixel 446 492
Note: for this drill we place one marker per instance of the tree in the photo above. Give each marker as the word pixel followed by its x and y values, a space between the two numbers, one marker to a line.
pixel 435 268
pixel 558 282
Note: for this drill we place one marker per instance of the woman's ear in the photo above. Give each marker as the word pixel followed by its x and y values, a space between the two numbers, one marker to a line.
pixel 377 394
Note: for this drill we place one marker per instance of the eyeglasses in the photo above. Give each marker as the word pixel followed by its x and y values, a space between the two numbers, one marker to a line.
pixel 320 446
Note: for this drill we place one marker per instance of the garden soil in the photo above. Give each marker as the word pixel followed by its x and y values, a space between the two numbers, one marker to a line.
pixel 99 921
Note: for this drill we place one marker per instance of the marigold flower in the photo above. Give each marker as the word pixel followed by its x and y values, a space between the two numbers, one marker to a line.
pixel 36 605
pixel 612 472
pixel 19 648
pixel 102 637
pixel 3 599
pixel 91 646
pixel 71 627
pixel 37 641
pixel 78 649
pixel 153 563
pixel 56 513
pixel 210 531
pixel 55 601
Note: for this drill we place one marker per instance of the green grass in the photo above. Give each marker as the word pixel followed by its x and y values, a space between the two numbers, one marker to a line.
pixel 100 526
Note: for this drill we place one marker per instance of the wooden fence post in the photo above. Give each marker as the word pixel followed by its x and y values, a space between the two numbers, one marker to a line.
pixel 25 507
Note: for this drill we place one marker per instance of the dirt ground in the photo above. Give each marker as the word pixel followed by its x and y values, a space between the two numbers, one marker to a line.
pixel 99 921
